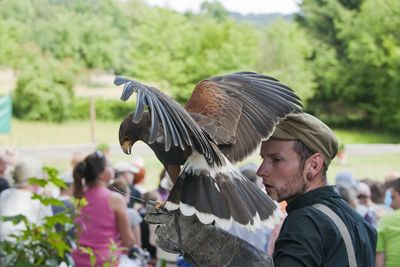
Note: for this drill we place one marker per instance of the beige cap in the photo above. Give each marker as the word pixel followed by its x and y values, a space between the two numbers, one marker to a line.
pixel 123 166
pixel 312 132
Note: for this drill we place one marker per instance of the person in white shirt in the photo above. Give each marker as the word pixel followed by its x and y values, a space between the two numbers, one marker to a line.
pixel 17 200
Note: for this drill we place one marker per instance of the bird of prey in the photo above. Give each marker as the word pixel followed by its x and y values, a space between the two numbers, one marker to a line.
pixel 224 120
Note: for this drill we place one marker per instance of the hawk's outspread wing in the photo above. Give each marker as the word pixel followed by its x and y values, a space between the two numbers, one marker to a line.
pixel 224 120
pixel 239 110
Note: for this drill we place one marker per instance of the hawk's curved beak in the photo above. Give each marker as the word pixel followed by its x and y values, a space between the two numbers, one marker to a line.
pixel 126 146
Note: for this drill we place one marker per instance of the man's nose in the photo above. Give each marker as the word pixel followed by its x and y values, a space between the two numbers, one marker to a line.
pixel 263 170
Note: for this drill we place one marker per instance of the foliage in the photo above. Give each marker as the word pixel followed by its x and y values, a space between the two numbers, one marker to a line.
pixel 106 109
pixel 285 50
pixel 374 56
pixel 43 92
pixel 177 52
pixel 341 56
pixel 214 9
pixel 355 62
pixel 10 37
pixel 40 245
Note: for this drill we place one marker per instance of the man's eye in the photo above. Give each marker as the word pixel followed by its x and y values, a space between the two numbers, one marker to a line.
pixel 276 159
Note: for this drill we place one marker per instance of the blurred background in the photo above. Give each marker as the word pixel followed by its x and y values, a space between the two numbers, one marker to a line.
pixel 58 59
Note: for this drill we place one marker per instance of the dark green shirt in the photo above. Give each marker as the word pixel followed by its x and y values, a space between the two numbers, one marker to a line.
pixel 310 238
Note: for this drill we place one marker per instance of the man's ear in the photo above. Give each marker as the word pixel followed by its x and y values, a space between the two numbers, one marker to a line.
pixel 314 165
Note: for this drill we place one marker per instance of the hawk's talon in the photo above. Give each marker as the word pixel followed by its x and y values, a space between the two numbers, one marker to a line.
pixel 160 205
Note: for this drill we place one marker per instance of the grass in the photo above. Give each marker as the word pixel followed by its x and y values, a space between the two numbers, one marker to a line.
pixel 354 136
pixel 78 132
pixel 74 132
pixel 374 167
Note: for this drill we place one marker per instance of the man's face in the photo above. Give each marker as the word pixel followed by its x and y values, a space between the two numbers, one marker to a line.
pixel 108 173
pixel 280 170
pixel 129 177
pixel 395 199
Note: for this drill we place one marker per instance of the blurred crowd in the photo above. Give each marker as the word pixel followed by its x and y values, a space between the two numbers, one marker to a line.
pixel 116 197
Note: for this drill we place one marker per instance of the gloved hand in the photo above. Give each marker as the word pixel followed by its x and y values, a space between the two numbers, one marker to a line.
pixel 202 245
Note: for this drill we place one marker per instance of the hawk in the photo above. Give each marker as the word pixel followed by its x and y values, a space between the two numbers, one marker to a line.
pixel 224 121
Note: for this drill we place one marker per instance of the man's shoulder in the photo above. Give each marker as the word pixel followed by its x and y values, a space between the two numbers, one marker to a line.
pixel 312 214
pixel 306 214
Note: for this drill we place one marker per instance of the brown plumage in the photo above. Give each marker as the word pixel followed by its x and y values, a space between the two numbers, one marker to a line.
pixel 224 120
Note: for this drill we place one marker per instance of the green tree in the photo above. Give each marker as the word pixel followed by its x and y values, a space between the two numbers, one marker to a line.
pixel 374 62
pixel 44 91
pixel 177 51
pixel 323 21
pixel 285 50
pixel 10 39
pixel 214 9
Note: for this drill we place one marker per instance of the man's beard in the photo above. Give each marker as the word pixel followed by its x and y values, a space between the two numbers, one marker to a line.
pixel 297 187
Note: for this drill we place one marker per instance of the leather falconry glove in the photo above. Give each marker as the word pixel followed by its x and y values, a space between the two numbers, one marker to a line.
pixel 202 245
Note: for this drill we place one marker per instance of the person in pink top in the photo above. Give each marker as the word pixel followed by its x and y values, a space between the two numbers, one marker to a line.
pixel 103 223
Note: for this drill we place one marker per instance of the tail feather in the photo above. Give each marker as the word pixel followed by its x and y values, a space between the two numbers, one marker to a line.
pixel 223 197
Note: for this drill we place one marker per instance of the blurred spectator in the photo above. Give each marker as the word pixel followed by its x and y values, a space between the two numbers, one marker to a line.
pixel 126 171
pixel 349 195
pixel 140 176
pixel 65 194
pixel 345 178
pixel 277 228
pixel 164 186
pixel 159 256
pixel 4 163
pixel 378 193
pixel 18 199
pixel 365 206
pixel 389 177
pixel 145 227
pixel 387 248
pixel 65 197
pixel 11 156
pixel 103 222
pixel 347 187
pixel 135 219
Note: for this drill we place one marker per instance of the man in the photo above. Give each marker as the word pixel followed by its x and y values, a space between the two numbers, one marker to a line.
pixel 320 229
pixel 126 171
pixel 365 207
pixel 387 249
pixel 295 161
pixel 17 200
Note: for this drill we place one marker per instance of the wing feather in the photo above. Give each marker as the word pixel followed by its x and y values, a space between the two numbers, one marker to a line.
pixel 226 106
pixel 179 129
pixel 139 107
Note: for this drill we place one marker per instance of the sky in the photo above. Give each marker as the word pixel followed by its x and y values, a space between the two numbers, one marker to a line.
pixel 242 6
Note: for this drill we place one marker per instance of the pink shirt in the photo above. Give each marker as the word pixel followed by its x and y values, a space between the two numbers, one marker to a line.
pixel 97 228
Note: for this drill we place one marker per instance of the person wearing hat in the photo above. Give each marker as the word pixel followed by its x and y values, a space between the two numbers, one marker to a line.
pixel 295 161
pixel 321 229
pixel 17 200
pixel 126 171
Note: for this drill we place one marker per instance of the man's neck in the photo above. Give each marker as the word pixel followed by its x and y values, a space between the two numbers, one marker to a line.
pixel 316 184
